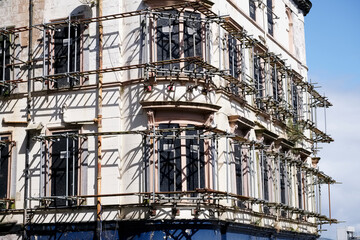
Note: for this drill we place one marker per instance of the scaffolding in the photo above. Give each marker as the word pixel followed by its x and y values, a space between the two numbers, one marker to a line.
pixel 200 196
pixel 275 101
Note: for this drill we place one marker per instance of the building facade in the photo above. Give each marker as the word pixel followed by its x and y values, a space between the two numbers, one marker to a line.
pixel 158 120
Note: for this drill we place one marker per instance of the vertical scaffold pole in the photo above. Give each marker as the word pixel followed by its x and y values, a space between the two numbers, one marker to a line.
pixel 198 161
pixel 219 27
pixel 252 178
pixel 329 203
pixel 73 167
pixel 41 169
pixel 67 169
pixel 325 114
pixel 4 62
pixel 99 121
pixel 153 165
pixel 227 167
pixel 44 49
pixel 68 48
pixel 262 162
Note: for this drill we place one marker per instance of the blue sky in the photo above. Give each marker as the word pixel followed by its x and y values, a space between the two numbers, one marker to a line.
pixel 332 30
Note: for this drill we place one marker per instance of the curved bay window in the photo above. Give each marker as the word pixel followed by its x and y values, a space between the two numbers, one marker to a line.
pixel 167 38
pixel 178 35
pixel 181 159
pixel 170 160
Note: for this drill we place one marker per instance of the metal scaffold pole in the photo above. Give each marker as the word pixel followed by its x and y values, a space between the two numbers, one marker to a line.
pixel 99 122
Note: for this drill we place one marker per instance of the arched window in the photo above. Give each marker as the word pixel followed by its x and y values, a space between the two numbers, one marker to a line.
pixel 290 30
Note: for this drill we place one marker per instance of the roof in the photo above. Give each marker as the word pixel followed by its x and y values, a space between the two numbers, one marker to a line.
pixel 304 5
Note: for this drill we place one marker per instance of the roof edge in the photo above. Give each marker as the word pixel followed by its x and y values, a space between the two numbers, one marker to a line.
pixel 304 5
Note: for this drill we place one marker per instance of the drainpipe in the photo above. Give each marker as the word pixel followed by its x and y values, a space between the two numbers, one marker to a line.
pixel 99 121
pixel 28 118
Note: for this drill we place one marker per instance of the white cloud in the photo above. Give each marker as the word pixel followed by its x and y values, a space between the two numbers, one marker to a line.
pixel 341 159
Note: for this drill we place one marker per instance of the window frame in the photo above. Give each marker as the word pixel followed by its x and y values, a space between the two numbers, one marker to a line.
pixel 47 175
pixel 76 61
pixel 259 79
pixel 8 142
pixel 252 5
pixel 181 21
pixel 299 181
pixel 6 42
pixel 270 17
pixel 205 168
pixel 264 175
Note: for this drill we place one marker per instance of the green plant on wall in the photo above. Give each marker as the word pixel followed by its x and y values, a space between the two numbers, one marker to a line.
pixel 294 131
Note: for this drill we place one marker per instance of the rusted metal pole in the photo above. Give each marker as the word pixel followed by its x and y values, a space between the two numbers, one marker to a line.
pixel 329 203
pixel 99 122
pixel 28 119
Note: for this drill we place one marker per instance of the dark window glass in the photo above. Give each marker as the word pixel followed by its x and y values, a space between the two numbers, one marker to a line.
pixel 195 164
pixel 282 182
pixel 258 78
pixel 4 61
pixel 192 36
pixel 238 169
pixel 233 57
pixel 270 18
pixel 299 181
pixel 295 98
pixel 265 175
pixel 167 38
pixel 170 160
pixel 252 8
pixel 64 156
pixel 63 63
pixel 275 84
pixel 4 166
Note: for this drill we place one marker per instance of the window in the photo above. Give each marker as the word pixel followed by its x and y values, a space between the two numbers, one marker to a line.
pixel 259 83
pixel 192 36
pixel 282 182
pixel 295 102
pixel 169 41
pixel 299 184
pixel 172 171
pixel 275 84
pixel 233 57
pixel 270 18
pixel 265 176
pixel 170 160
pixel 238 169
pixel 64 167
pixel 4 61
pixel 252 9
pixel 167 38
pixel 233 62
pixel 290 29
pixel 5 149
pixel 63 51
pixel 195 164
